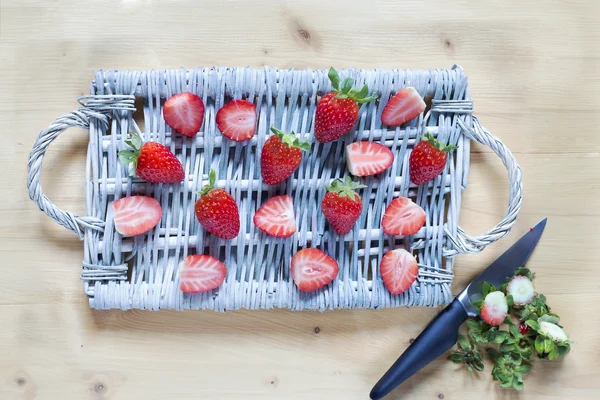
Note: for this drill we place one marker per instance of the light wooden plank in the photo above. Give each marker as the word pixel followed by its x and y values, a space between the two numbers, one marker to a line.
pixel 532 68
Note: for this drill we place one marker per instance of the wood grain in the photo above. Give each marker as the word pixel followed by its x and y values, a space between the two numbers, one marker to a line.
pixel 533 70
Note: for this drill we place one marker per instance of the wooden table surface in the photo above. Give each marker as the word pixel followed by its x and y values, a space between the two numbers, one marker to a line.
pixel 533 69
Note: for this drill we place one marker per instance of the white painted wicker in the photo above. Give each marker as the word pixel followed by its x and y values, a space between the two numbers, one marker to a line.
pixel 142 272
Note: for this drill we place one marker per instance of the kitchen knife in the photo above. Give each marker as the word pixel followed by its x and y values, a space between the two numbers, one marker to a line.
pixel 442 332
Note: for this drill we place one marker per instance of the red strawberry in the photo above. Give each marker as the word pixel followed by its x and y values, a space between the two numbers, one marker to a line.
pixel 367 158
pixel 403 106
pixel 523 328
pixel 403 217
pixel 217 211
pixel 494 308
pixel 153 161
pixel 428 159
pixel 337 111
pixel 276 217
pixel 281 155
pixel 312 269
pixel 184 112
pixel 237 120
pixel 398 270
pixel 135 215
pixel 200 273
pixel 341 205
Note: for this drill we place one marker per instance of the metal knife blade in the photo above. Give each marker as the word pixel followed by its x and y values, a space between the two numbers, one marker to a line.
pixel 502 268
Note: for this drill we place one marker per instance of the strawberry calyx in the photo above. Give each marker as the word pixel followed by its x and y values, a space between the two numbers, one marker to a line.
pixel 212 179
pixel 346 91
pixel 129 157
pixel 344 187
pixel 290 139
pixel 435 143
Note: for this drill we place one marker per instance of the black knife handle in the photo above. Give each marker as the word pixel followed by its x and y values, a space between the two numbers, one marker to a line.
pixel 437 338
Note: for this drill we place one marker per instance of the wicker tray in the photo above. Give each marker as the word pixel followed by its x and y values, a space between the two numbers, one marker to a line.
pixel 142 272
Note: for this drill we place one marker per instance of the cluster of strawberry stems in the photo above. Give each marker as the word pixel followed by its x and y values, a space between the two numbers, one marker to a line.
pixel 514 327
pixel 336 115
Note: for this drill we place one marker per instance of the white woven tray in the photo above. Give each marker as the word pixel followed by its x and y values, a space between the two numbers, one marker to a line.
pixel 142 272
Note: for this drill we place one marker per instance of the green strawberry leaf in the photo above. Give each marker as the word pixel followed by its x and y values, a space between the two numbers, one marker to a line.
pixel 473 324
pixel 334 78
pixel 533 324
pixel 514 330
pixel 212 179
pixel 136 140
pixel 486 287
pixel 522 271
pixel 347 85
pixel 363 100
pixel 552 318
pixel 539 345
pixel 126 156
pixel 517 385
pixel 509 300
pixel 463 343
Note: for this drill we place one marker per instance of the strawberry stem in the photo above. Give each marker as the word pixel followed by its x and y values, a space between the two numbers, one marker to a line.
pixel 344 187
pixel 290 139
pixel 212 179
pixel 347 91
pixel 435 143
pixel 128 157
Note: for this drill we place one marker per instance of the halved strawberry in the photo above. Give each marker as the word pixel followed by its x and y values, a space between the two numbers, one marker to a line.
pixel 312 269
pixel 494 308
pixel 522 290
pixel 276 217
pixel 368 158
pixel 398 270
pixel 237 120
pixel 134 215
pixel 403 217
pixel 201 273
pixel 403 106
pixel 184 112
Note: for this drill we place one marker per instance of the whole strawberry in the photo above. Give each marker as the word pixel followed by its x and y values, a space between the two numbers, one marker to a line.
pixel 281 155
pixel 428 159
pixel 217 211
pixel 337 111
pixel 341 205
pixel 152 161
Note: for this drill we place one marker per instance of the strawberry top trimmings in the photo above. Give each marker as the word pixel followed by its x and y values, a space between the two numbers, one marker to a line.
pixel 513 333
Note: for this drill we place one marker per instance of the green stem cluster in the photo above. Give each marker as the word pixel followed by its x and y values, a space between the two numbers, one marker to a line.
pixel 512 348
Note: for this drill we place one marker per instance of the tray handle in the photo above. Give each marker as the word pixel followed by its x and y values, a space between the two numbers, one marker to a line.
pixel 465 243
pixel 99 107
